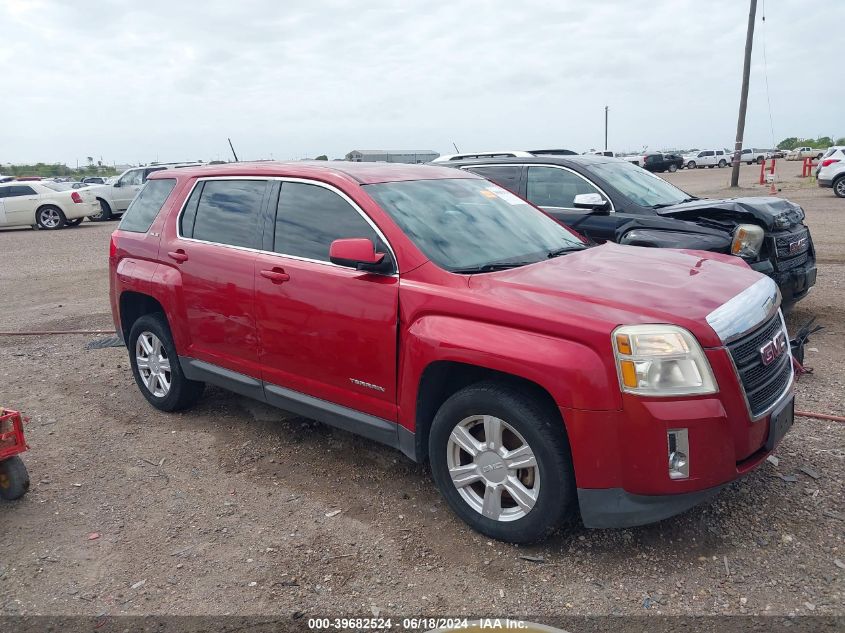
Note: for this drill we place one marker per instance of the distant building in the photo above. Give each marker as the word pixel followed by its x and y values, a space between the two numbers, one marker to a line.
pixel 391 156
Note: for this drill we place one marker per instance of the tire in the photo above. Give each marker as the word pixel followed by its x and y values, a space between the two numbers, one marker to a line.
pixel 723 163
pixel 839 187
pixel 50 218
pixel 105 213
pixel 160 376
pixel 760 160
pixel 546 490
pixel 691 165
pixel 14 478
pixel 710 166
pixel 74 222
pixel 673 168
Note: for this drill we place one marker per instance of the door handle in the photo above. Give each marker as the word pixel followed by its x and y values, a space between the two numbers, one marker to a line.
pixel 179 255
pixel 277 275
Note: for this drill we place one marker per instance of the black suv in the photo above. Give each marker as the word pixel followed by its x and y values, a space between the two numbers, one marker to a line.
pixel 608 199
pixel 663 162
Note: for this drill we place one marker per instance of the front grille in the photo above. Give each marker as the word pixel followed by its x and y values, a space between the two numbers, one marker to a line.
pixel 763 384
pixel 792 244
pixel 795 262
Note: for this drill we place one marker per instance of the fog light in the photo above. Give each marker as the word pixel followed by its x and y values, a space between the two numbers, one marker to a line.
pixel 678 444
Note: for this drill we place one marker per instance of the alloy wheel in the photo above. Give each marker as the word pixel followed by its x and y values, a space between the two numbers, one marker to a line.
pixel 840 188
pixel 50 218
pixel 153 364
pixel 493 468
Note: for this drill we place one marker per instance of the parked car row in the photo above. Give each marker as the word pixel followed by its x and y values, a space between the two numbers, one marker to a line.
pixel 433 309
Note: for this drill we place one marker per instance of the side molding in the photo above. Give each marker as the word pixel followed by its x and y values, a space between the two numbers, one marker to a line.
pixel 363 424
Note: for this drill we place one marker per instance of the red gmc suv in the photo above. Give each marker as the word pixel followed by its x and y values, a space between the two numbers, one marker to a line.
pixel 433 311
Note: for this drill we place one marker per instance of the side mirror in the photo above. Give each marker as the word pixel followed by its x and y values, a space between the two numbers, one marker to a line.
pixel 358 253
pixel 593 201
pixel 117 184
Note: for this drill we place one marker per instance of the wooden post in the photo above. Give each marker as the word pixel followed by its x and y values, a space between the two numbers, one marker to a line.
pixel 743 99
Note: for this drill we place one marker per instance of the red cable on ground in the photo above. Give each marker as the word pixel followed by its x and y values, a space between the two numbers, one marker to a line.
pixel 57 332
pixel 820 416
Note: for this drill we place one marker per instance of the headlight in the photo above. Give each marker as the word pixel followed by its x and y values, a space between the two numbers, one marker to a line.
pixel 661 360
pixel 748 238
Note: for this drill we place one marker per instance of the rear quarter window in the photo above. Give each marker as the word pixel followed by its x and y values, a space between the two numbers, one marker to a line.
pixel 146 205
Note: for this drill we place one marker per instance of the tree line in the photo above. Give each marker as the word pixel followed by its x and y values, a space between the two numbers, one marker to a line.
pixel 822 142
pixel 52 170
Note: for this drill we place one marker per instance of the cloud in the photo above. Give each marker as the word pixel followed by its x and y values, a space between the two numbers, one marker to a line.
pixel 169 80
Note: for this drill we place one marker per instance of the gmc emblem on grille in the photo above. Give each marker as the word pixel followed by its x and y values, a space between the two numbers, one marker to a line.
pixel 773 349
pixel 797 245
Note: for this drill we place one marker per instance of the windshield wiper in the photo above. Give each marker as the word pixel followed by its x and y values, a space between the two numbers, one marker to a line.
pixel 489 268
pixel 561 251
pixel 662 205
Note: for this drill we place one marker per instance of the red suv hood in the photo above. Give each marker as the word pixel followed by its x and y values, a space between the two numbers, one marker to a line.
pixel 626 284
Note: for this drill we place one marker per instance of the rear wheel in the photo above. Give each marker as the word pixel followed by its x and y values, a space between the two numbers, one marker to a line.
pixel 723 163
pixel 760 160
pixel 104 214
pixel 673 168
pixel 501 460
pixel 50 218
pixel 14 478
pixel 839 187
pixel 156 368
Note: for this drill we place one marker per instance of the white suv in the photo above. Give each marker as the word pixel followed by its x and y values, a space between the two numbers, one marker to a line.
pixel 115 198
pixel 831 170
pixel 707 158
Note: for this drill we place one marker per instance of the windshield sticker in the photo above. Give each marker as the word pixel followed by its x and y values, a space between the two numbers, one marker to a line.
pixel 505 195
pixel 488 194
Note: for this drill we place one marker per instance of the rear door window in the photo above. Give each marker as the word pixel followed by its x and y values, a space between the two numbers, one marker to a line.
pixel 553 187
pixel 228 212
pixel 505 175
pixel 144 208
pixel 21 190
pixel 310 217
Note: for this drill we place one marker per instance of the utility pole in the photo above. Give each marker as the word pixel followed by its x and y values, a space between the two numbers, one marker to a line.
pixel 743 99
pixel 606 108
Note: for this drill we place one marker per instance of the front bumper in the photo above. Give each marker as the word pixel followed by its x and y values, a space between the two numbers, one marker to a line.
pixel 796 283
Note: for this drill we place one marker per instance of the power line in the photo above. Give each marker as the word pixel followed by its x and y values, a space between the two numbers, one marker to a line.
pixel 766 75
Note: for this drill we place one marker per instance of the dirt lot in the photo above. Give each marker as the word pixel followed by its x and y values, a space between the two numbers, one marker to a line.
pixel 228 509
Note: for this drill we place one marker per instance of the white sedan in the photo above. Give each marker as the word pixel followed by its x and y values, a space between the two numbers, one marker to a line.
pixel 48 205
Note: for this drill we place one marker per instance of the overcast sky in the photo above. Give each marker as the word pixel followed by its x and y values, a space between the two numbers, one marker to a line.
pixel 150 80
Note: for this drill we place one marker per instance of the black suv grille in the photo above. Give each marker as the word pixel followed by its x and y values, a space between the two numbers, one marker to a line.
pixel 763 384
pixel 793 244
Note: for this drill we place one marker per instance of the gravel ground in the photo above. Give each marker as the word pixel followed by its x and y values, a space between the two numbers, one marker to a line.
pixel 236 508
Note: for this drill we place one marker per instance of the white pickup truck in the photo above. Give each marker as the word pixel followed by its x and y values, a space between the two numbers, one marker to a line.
pixel 115 198
pixel 753 155
pixel 800 153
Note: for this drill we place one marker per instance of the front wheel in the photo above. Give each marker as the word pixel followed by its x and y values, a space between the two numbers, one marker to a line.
pixel 839 187
pixel 155 366
pixel 691 165
pixel 14 478
pixel 501 459
pixel 50 218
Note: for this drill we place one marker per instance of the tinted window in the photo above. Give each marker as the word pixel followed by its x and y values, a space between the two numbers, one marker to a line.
pixel 4 191
pixel 311 217
pixel 228 212
pixel 552 187
pixel 147 172
pixel 505 175
pixel 463 223
pixel 146 205
pixel 638 185
pixel 21 190
pixel 186 222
